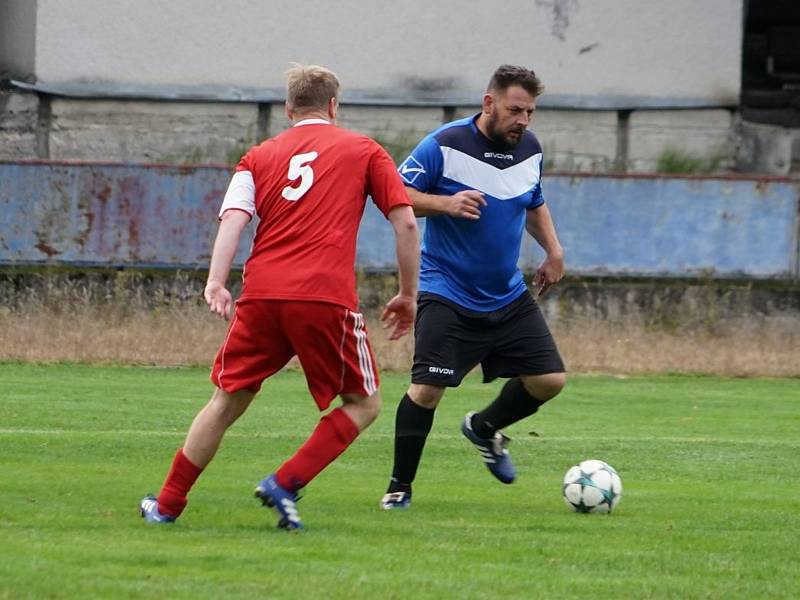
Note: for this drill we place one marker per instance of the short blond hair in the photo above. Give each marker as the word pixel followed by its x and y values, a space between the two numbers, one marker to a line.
pixel 310 87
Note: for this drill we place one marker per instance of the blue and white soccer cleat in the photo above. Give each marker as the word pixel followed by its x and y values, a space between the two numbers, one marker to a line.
pixel 148 508
pixel 492 450
pixel 282 501
pixel 393 500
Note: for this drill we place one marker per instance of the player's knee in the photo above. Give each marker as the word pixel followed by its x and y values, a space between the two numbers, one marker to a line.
pixel 226 407
pixel 362 409
pixel 372 407
pixel 426 396
pixel 545 387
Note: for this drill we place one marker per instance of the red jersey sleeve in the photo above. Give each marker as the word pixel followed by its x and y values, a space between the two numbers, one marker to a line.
pixel 384 183
pixel 247 162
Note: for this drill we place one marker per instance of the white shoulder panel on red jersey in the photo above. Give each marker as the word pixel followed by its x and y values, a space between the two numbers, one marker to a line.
pixel 241 194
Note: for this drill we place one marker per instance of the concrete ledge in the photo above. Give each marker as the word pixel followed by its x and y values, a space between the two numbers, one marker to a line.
pixel 387 97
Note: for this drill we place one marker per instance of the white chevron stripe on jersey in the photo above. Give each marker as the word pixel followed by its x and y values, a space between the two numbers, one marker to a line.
pixel 502 184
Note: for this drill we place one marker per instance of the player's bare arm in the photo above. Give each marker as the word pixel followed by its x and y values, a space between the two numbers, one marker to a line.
pixel 466 204
pixel 399 313
pixel 539 225
pixel 230 230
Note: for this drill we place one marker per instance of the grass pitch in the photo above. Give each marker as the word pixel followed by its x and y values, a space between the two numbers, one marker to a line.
pixel 711 504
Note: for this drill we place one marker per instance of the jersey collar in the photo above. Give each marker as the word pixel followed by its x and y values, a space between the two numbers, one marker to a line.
pixel 312 122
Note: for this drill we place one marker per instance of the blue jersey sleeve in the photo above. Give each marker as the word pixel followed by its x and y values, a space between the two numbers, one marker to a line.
pixel 537 199
pixel 423 167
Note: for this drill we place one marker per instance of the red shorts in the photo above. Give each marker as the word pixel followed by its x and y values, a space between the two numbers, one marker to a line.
pixel 330 341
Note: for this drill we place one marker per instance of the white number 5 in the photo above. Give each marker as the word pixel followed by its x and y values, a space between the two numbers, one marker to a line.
pixel 299 168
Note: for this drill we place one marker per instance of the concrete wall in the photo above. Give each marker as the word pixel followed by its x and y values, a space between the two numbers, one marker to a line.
pixel 614 70
pixel 595 141
pixel 578 140
pixel 18 125
pixel 18 37
pixel 395 127
pixel 767 148
pixel 648 48
pixel 706 135
pixel 103 214
pixel 149 131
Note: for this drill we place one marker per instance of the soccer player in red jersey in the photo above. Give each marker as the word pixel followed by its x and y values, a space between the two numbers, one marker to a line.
pixel 308 186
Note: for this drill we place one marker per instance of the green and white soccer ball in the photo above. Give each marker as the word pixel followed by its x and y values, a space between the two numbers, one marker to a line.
pixel 592 487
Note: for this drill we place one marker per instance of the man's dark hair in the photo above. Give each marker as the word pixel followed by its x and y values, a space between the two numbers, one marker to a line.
pixel 507 75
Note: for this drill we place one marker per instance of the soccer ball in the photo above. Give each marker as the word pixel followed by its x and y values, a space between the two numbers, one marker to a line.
pixel 592 487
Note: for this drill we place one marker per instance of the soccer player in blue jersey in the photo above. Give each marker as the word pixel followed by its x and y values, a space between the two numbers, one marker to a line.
pixel 478 183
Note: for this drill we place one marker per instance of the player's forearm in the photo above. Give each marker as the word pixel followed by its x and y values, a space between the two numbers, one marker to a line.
pixel 540 225
pixel 226 244
pixel 408 264
pixel 407 238
pixel 427 205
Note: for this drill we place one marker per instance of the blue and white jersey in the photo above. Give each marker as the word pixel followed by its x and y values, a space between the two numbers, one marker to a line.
pixel 474 263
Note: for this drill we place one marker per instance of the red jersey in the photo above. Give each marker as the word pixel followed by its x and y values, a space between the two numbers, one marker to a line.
pixel 311 184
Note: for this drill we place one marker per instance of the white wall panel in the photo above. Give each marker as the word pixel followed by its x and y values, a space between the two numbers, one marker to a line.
pixel 646 48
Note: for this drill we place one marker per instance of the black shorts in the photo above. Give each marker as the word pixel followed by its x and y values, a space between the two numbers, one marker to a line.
pixel 451 340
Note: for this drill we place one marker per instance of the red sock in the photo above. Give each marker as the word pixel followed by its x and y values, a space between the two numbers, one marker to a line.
pixel 180 479
pixel 334 433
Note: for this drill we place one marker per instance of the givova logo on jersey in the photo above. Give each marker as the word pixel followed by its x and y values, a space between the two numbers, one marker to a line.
pixel 410 169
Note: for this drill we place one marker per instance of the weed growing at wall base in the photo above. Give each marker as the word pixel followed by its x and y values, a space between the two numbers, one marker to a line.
pixel 681 162
pixel 708 466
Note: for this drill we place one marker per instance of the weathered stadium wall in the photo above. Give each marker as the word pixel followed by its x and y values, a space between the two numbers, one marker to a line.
pixel 684 50
pixel 123 215
pixel 39 125
pixel 626 80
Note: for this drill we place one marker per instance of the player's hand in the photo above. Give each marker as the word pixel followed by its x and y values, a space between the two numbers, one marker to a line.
pixel 549 272
pixel 398 315
pixel 218 299
pixel 466 204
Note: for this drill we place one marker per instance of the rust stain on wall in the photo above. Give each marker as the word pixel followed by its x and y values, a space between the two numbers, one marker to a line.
pixel 48 250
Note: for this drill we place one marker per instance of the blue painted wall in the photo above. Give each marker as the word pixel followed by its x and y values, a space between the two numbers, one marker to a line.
pixel 165 216
pixel 673 226
pixel 109 214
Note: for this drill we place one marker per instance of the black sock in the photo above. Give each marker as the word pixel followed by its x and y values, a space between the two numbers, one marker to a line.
pixel 412 425
pixel 513 404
